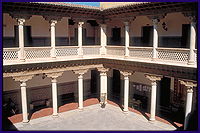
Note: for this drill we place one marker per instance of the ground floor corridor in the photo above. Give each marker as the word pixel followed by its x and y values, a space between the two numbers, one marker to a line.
pixel 94 118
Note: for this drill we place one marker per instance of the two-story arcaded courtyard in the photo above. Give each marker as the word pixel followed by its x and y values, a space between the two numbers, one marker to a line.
pixel 140 56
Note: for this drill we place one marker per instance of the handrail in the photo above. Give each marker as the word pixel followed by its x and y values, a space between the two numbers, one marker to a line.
pixel 133 47
pixel 174 49
pixel 10 49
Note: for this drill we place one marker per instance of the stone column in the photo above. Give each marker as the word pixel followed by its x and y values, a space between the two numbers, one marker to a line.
pixel 155 37
pixel 80 73
pixel 54 77
pixel 126 39
pixel 126 89
pixel 80 39
pixel 192 42
pixel 188 109
pixel 103 38
pixel 53 38
pixel 21 39
pixel 103 84
pixel 193 19
pixel 153 79
pixel 23 80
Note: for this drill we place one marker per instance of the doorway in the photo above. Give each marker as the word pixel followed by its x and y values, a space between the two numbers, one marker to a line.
pixel 116 85
pixel 185 39
pixel 147 35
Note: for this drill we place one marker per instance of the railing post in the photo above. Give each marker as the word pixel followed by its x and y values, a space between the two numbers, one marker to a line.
pixel 53 38
pixel 21 39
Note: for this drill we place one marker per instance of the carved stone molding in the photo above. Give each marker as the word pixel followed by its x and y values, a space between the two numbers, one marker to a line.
pixel 80 71
pixel 54 75
pixel 23 78
pixel 189 84
pixel 153 78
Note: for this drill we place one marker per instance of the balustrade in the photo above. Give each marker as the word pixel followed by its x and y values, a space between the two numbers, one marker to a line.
pixel 141 52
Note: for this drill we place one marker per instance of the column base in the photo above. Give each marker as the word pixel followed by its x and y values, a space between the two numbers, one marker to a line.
pixel 25 121
pixel 125 111
pixel 80 108
pixel 55 116
pixel 152 119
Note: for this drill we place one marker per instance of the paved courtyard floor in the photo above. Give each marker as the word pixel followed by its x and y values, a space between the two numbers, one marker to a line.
pixel 94 118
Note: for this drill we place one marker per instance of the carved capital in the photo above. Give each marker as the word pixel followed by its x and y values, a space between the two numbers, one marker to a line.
pixel 54 75
pixel 191 15
pixel 156 18
pixel 189 84
pixel 103 70
pixel 80 71
pixel 53 22
pixel 153 78
pixel 23 78
pixel 21 21
pixel 125 73
pixel 80 24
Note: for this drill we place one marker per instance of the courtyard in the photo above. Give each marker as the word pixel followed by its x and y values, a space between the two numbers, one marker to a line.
pixel 94 118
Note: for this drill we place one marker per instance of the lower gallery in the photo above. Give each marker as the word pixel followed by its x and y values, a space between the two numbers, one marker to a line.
pixel 126 56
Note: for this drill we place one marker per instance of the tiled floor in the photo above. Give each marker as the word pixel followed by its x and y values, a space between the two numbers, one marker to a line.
pixel 94 118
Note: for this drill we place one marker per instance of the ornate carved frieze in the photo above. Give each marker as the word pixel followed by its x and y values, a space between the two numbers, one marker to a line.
pixel 156 18
pixel 153 78
pixel 20 15
pixel 52 18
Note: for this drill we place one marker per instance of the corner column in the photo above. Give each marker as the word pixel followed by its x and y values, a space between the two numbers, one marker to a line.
pixel 80 38
pixel 126 89
pixel 188 109
pixel 21 22
pixel 103 84
pixel 103 38
pixel 53 38
pixel 80 86
pixel 23 80
pixel 153 79
pixel 54 77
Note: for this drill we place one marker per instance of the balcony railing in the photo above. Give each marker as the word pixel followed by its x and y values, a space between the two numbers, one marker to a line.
pixel 179 56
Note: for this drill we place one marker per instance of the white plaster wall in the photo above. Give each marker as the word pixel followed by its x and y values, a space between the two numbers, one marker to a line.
pixel 68 76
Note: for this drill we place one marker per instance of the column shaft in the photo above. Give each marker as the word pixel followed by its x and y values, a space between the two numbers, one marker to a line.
pixel 24 102
pixel 188 108
pixel 103 39
pixel 192 43
pixel 53 38
pixel 153 101
pixel 80 91
pixel 126 93
pixel 80 38
pixel 155 38
pixel 103 87
pixel 126 39
pixel 21 39
pixel 54 95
